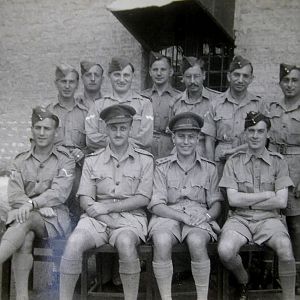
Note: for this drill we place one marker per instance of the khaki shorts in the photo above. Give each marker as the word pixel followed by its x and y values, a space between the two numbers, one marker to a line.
pixel 103 234
pixel 178 229
pixel 257 232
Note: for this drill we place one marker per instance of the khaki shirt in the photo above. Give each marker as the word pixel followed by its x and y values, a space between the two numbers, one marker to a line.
pixel 249 174
pixel 71 132
pixel 87 103
pixel 202 107
pixel 175 187
pixel 48 182
pixel 161 105
pixel 142 126
pixel 285 122
pixel 105 177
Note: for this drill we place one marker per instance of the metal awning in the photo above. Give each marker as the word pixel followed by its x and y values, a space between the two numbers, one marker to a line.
pixel 158 24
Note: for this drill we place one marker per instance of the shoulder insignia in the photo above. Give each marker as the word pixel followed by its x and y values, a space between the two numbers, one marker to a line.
pixel 276 154
pixel 22 153
pixel 163 160
pixel 141 151
pixel 63 150
pixel 237 154
pixel 208 160
pixel 97 152
pixel 146 93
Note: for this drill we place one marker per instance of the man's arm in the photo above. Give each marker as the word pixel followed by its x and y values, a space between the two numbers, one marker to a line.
pixel 240 199
pixel 279 201
pixel 210 147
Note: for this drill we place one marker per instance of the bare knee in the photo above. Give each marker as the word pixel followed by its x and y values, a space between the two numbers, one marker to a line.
pixel 226 250
pixel 163 243
pixel 282 246
pixel 76 244
pixel 126 243
pixel 28 242
pixel 197 244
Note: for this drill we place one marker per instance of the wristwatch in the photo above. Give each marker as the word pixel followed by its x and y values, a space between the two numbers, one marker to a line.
pixel 31 202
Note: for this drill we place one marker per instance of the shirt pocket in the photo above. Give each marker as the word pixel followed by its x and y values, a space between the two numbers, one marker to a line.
pixel 224 127
pixel 173 189
pixel 295 132
pixel 199 190
pixel 130 181
pixel 78 138
pixel 244 183
pixel 267 183
pixel 103 182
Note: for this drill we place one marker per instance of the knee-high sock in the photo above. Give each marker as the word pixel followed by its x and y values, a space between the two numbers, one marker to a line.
pixel 11 241
pixel 70 270
pixel 201 273
pixel 163 273
pixel 22 265
pixel 287 276
pixel 130 277
pixel 235 265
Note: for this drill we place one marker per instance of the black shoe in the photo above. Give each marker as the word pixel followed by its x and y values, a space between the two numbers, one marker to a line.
pixel 243 292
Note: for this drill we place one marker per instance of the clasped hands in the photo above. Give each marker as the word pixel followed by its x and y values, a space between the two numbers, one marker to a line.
pixel 194 218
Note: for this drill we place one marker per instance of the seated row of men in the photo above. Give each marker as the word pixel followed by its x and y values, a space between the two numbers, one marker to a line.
pixel 182 193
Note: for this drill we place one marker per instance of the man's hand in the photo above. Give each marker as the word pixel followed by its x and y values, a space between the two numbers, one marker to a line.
pixel 77 154
pixel 97 209
pixel 197 218
pixel 47 212
pixel 23 212
pixel 297 191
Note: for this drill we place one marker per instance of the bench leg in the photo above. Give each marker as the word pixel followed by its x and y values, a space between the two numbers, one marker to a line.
pixel 6 279
pixel 84 277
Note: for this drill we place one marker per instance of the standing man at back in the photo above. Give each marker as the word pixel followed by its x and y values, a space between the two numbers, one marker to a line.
pixel 162 96
pixel 121 73
pixel 230 109
pixel 91 76
pixel 285 139
pixel 198 100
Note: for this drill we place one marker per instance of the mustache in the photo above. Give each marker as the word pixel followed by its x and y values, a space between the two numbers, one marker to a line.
pixel 193 84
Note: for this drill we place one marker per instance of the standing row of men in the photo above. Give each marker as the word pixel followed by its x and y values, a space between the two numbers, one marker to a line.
pixel 116 181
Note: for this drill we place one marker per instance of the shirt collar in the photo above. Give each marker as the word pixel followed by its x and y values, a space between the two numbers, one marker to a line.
pixel 78 101
pixel 169 89
pixel 30 153
pixel 175 159
pixel 265 156
pixel 226 96
pixel 185 98
pixel 108 154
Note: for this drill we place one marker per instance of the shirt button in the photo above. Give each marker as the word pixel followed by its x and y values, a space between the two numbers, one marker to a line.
pixel 185 197
pixel 118 166
pixel 41 165
pixel 118 182
pixel 185 173
pixel 184 187
pixel 37 181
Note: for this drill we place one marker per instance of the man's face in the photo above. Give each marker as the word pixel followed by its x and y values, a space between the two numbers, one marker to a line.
pixel 239 79
pixel 67 85
pixel 257 135
pixel 290 84
pixel 118 133
pixel 92 79
pixel 160 71
pixel 121 80
pixel 43 132
pixel 193 79
pixel 185 141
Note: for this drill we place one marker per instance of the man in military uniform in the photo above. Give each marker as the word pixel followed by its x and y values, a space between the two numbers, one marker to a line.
pixel 116 183
pixel 185 203
pixel 121 73
pixel 91 76
pixel 230 109
pixel 257 183
pixel 197 99
pixel 285 139
pixel 40 182
pixel 162 96
pixel 71 112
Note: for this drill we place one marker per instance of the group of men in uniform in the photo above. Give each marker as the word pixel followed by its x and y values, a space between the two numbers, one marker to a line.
pixel 93 153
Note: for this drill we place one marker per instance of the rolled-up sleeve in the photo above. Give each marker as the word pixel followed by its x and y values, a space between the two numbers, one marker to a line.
pixel 87 186
pixel 214 194
pixel 228 179
pixel 209 124
pixel 145 186
pixel 282 179
pixel 160 192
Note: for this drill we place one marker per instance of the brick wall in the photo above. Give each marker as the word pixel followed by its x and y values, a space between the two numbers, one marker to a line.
pixel 267 33
pixel 34 37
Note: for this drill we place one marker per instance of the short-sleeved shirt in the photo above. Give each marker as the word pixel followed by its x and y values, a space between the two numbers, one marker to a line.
pixel 249 174
pixel 285 123
pixel 105 177
pixel 229 118
pixel 161 105
pixel 202 107
pixel 175 186
pixel 71 131
pixel 86 102
pixel 142 126
pixel 48 182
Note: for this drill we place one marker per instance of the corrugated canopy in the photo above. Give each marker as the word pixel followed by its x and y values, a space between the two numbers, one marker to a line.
pixel 158 24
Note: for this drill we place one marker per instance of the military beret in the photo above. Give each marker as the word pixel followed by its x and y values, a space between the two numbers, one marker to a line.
pixel 286 69
pixel 185 121
pixel 40 113
pixel 118 64
pixel 86 65
pixel 63 70
pixel 119 113
pixel 239 62
pixel 190 61
pixel 154 56
pixel 253 118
